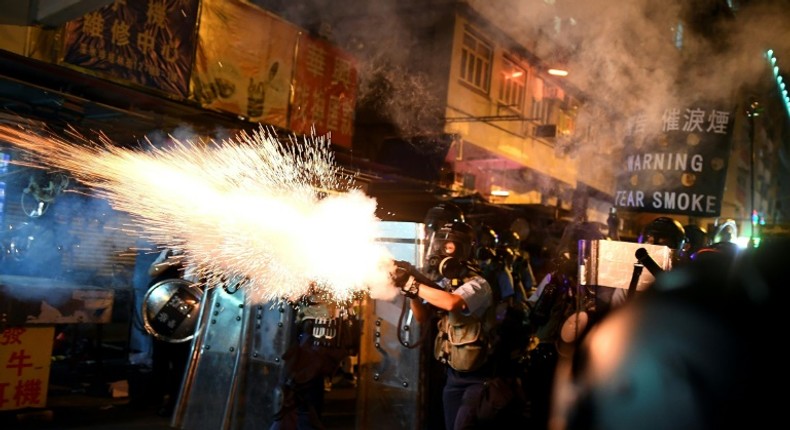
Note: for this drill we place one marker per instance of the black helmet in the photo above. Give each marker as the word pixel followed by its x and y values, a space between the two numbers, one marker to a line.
pixel 664 231
pixel 510 239
pixel 441 214
pixel 509 246
pixel 696 238
pixel 460 234
pixel 726 232
pixel 487 241
pixel 450 250
pixel 487 236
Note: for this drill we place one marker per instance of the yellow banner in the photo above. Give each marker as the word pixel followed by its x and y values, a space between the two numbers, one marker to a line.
pixel 244 61
pixel 25 358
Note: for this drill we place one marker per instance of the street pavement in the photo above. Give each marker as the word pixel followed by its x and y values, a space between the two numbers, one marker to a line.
pixel 83 411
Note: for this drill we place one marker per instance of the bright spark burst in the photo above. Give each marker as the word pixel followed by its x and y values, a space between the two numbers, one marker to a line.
pixel 280 215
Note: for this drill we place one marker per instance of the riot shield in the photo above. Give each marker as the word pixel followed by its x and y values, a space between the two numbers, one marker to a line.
pixel 391 392
pixel 236 366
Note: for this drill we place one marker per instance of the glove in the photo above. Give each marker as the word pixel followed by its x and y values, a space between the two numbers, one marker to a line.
pixel 403 278
pixel 418 276
pixel 400 276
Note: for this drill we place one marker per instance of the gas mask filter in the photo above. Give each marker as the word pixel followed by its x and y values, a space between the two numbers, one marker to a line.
pixel 451 268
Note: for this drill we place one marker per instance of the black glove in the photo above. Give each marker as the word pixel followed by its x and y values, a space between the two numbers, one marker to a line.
pixel 418 276
pixel 400 276
pixel 403 278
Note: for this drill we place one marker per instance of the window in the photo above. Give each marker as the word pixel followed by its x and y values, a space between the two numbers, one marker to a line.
pixel 476 61
pixel 512 86
pixel 540 110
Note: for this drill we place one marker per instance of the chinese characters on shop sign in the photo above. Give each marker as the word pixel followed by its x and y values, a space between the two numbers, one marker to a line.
pixel 25 356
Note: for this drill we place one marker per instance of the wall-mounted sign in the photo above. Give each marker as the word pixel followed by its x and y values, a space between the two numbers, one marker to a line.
pixel 325 91
pixel 244 62
pixel 25 357
pixel 676 164
pixel 146 43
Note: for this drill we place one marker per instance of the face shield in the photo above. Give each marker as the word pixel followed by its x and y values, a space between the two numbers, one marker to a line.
pixel 448 249
pixel 437 217
pixel 726 232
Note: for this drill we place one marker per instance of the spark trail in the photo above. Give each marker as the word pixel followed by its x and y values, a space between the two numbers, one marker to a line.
pixel 281 215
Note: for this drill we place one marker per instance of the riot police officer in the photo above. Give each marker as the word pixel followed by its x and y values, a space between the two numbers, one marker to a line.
pixel 665 231
pixel 464 300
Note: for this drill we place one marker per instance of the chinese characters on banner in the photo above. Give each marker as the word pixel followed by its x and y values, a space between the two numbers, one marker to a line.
pixel 244 62
pixel 149 43
pixel 677 166
pixel 25 357
pixel 324 91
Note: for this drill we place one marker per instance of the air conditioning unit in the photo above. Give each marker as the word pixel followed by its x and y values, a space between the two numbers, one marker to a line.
pixel 465 180
pixel 546 130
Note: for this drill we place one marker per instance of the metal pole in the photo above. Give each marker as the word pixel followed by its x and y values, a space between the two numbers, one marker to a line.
pixel 752 112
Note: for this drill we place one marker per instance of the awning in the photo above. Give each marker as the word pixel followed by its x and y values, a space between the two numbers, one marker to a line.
pixel 37 90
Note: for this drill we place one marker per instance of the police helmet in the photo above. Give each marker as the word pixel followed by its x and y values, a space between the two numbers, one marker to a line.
pixel 510 239
pixel 664 231
pixel 509 246
pixel 487 241
pixel 726 232
pixel 441 214
pixel 453 239
pixel 696 237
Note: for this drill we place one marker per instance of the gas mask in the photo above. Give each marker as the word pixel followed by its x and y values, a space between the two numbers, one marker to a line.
pixel 446 266
pixel 448 249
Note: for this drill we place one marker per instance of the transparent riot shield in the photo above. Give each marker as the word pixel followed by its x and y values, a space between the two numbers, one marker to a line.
pixel 390 392
pixel 234 377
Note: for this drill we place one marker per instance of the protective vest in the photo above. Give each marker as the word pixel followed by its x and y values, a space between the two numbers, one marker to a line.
pixel 501 336
pixel 464 342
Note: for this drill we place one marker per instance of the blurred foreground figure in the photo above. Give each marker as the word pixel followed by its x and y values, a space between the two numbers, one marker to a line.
pixel 696 351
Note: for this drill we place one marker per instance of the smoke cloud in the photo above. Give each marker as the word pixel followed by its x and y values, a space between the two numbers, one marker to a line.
pixel 280 217
pixel 624 57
